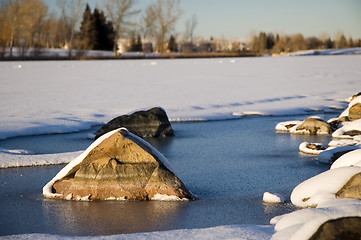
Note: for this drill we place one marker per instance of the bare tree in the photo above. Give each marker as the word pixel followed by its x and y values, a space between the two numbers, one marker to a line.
pixel 71 12
pixel 190 26
pixel 34 15
pixel 120 12
pixel 164 14
pixel 10 14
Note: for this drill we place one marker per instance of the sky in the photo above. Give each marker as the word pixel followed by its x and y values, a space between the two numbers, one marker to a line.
pixel 242 18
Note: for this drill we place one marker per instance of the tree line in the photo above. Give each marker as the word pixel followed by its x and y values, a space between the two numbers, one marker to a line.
pixel 28 24
pixel 275 43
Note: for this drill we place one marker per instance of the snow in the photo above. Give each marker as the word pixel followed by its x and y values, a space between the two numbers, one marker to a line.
pixel 69 96
pixel 302 224
pixel 322 187
pixel 66 96
pixel 249 232
pixel 327 155
pixel 282 126
pixel 352 158
pixel 273 198
pixel 164 197
pixel 22 158
pixel 347 126
pixel 326 52
pixel 304 149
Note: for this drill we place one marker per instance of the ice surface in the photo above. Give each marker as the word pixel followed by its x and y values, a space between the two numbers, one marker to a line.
pixel 68 96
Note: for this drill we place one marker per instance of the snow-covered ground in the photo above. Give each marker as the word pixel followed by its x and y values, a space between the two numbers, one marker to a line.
pixel 68 96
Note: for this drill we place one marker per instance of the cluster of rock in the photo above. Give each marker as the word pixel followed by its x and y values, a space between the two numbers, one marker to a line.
pixel 119 166
pixel 335 192
pixel 345 130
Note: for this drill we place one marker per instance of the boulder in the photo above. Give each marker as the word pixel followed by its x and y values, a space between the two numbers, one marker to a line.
pixel 313 126
pixel 352 189
pixel 355 112
pixel 151 123
pixel 119 165
pixel 339 229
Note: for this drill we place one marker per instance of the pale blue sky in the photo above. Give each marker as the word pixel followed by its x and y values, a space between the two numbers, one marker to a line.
pixel 239 18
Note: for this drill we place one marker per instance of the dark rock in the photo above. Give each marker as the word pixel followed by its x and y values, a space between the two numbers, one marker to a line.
pixel 315 146
pixel 355 96
pixel 345 228
pixel 335 123
pixel 353 133
pixel 151 123
pixel 314 126
pixel 121 166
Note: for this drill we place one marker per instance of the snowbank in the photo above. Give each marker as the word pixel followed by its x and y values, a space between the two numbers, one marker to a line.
pixel 249 232
pixel 322 187
pixel 352 158
pixel 327 155
pixel 302 224
pixel 346 127
pixel 23 158
pixel 326 52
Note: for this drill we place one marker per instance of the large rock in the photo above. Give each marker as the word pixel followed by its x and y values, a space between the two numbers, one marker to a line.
pixel 352 189
pixel 313 126
pixel 119 165
pixel 151 123
pixel 339 229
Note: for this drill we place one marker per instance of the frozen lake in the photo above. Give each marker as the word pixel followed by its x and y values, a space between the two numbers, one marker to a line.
pixel 228 165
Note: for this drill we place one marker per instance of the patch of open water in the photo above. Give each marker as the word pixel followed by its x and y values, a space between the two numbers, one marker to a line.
pixel 228 165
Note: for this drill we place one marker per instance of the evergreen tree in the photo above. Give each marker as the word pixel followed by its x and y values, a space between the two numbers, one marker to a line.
pixel 139 44
pixel 342 42
pixel 87 30
pixel 329 44
pixel 172 45
pixel 104 31
pixel 96 33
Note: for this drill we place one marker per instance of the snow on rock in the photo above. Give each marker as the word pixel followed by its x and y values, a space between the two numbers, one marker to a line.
pixel 120 165
pixel 322 187
pixel 273 198
pixel 329 155
pixel 48 188
pixel 312 125
pixel 287 125
pixel 354 100
pixel 24 158
pixel 311 148
pixel 302 224
pixel 352 158
pixel 344 142
pixel 348 130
